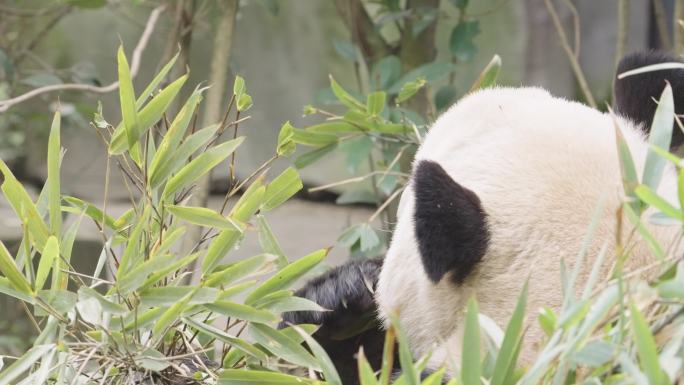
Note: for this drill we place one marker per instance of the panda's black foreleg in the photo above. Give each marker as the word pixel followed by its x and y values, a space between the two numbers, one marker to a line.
pixel 347 291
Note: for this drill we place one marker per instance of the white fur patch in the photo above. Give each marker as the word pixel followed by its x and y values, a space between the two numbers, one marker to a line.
pixel 540 165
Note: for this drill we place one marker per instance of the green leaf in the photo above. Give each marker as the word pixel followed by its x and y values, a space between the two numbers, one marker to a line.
pixel 282 346
pixel 326 364
pixel 510 347
pixel 23 206
pixel 49 258
pixel 646 348
pixel 11 272
pixel 240 311
pixel 431 72
pixel 173 137
pixel 256 377
pixel 313 156
pixel 151 359
pixel 203 216
pixel 250 201
pixel 161 75
pixel 344 97
pixel 375 103
pixel 244 103
pixel 219 334
pixel 286 144
pixel 461 41
pixel 488 75
pixel 288 275
pixel 127 100
pixel 135 277
pixel 334 127
pixel 346 49
pixel 312 138
pixel 460 4
pixel 269 243
pixel 627 169
pixel 471 369
pixel 409 89
pixel 239 270
pixel 410 376
pixel 282 188
pixel 445 97
pixel 239 87
pixel 165 296
pixel 386 72
pixel 131 255
pixel 652 199
pixel 366 374
pixel 147 116
pixel 24 363
pixel 219 247
pixel 91 211
pixel 53 183
pixel 181 155
pixel 169 317
pixel 200 166
pixel 660 135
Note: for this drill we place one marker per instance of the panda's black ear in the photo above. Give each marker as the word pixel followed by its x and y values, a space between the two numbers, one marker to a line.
pixel 450 224
pixel 635 96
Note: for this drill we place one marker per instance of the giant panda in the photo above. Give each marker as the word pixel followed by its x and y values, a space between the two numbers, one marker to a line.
pixel 503 187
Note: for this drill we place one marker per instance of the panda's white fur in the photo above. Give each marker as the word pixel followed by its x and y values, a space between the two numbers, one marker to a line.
pixel 540 165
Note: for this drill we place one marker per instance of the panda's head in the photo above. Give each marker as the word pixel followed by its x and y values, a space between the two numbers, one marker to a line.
pixel 503 187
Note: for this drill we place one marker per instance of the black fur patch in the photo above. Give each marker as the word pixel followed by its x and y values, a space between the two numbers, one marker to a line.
pixel 634 95
pixel 347 291
pixel 450 224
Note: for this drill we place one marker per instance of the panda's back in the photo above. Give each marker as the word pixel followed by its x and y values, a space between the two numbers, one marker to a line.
pixel 540 166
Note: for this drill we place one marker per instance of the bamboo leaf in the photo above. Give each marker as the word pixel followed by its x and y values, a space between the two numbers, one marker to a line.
pixel 510 347
pixel 129 115
pixel 652 199
pixel 238 270
pixel 173 137
pixel 282 346
pixel 240 311
pixel 344 97
pixel 471 369
pixel 257 377
pixel 203 216
pixel 147 116
pixel 489 74
pixel 288 275
pixel 53 182
pixel 646 348
pixel 282 188
pixel 161 75
pixel 24 363
pixel 200 166
pixel 327 366
pixel 11 272
pixel 219 334
pixel 659 136
pixel 48 259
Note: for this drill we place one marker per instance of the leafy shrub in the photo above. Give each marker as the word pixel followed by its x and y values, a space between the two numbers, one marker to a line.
pixel 135 319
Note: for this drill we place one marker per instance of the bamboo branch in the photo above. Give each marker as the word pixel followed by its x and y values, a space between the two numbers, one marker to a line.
pixel 623 26
pixel 574 63
pixel 135 66
pixel 370 41
pixel 661 23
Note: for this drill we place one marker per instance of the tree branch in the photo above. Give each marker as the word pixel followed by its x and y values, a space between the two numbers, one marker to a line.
pixel 135 66
pixel 371 43
pixel 574 63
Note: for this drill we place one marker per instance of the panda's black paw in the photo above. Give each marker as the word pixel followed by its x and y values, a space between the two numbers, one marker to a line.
pixel 345 291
